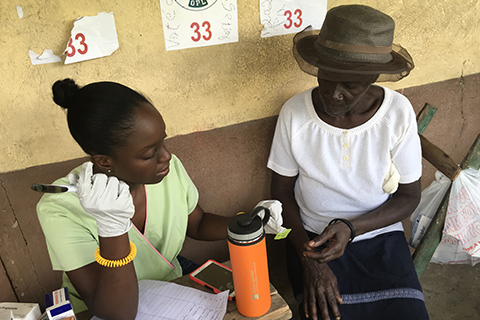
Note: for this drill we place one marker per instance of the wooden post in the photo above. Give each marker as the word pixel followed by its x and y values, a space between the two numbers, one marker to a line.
pixel 439 159
pixel 425 116
pixel 472 159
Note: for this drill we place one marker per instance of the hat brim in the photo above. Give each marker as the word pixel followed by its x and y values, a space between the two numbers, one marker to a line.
pixel 310 61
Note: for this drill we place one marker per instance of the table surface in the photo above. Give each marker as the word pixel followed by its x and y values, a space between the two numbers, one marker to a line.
pixel 278 311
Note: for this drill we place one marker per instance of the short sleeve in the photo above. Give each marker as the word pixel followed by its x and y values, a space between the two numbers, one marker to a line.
pixel 281 159
pixel 70 233
pixel 187 184
pixel 407 152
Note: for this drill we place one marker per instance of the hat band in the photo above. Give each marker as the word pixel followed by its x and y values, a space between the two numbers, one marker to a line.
pixel 352 47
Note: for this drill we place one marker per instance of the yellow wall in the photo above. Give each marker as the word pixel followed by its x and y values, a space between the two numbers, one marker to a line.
pixel 195 89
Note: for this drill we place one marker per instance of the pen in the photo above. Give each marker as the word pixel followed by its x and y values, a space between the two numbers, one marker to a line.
pixel 53 188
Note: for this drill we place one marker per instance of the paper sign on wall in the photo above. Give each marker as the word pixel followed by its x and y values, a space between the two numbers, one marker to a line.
pixel 198 23
pixel 91 38
pixel 290 16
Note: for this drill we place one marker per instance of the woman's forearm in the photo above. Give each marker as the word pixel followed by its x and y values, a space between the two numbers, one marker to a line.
pixel 116 295
pixel 282 189
pixel 399 207
pixel 109 293
pixel 211 227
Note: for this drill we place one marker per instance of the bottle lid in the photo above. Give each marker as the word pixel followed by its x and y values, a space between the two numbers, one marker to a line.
pixel 247 227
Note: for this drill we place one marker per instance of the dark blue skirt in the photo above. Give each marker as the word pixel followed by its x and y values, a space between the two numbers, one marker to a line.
pixel 376 279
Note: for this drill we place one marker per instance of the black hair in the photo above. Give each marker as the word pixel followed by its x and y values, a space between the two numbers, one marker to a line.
pixel 100 115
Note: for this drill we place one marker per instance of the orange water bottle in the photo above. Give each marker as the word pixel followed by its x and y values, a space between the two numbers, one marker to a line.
pixel 248 255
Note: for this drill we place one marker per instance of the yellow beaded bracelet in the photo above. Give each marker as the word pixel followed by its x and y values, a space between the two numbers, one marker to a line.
pixel 116 263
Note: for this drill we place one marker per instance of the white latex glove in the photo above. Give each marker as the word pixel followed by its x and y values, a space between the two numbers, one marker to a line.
pixel 274 224
pixel 390 183
pixel 106 199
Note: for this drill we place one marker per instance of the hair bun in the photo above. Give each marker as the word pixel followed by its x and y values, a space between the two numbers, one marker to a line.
pixel 63 91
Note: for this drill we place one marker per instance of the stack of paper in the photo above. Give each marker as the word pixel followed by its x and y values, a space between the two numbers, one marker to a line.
pixel 160 300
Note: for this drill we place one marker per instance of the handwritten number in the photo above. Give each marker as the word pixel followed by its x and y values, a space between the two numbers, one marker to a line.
pixel 70 46
pixel 298 12
pixel 197 27
pixel 290 23
pixel 71 51
pixel 82 43
pixel 207 35
pixel 207 26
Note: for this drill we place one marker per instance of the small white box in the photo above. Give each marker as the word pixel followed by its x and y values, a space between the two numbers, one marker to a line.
pixel 21 311
pixel 58 305
pixel 6 314
pixel 60 311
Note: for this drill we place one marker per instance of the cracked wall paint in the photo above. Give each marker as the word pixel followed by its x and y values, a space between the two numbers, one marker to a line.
pixel 195 89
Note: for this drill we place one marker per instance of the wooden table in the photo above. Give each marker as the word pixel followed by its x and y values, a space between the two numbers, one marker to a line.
pixel 278 311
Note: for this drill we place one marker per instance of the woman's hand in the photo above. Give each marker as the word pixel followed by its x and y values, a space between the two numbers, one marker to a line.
pixel 337 235
pixel 109 293
pixel 320 290
pixel 320 287
pixel 106 199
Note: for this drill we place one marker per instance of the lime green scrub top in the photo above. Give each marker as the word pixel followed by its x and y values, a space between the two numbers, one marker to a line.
pixel 71 233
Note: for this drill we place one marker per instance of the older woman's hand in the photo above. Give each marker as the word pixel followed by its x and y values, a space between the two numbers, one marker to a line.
pixel 337 235
pixel 320 290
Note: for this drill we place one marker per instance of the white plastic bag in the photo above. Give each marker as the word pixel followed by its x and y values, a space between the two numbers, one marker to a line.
pixel 461 234
pixel 430 201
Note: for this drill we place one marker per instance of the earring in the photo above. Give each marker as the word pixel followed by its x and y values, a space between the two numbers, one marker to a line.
pixel 109 170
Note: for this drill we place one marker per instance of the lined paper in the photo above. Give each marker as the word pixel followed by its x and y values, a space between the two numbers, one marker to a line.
pixel 160 300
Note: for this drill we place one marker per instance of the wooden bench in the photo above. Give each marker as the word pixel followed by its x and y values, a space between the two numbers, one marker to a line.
pixel 445 164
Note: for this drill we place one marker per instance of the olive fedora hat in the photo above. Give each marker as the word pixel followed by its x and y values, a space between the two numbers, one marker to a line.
pixel 354 39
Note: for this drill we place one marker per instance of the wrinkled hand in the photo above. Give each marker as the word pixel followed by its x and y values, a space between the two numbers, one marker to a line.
pixel 106 199
pixel 337 235
pixel 320 290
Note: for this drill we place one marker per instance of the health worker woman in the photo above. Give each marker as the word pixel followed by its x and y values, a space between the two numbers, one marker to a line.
pixel 134 205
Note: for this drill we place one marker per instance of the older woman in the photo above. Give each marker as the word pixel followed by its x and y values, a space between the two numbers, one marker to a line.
pixel 333 154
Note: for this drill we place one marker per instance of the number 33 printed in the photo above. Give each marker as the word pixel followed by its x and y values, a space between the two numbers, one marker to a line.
pixel 196 29
pixel 83 45
pixel 290 22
